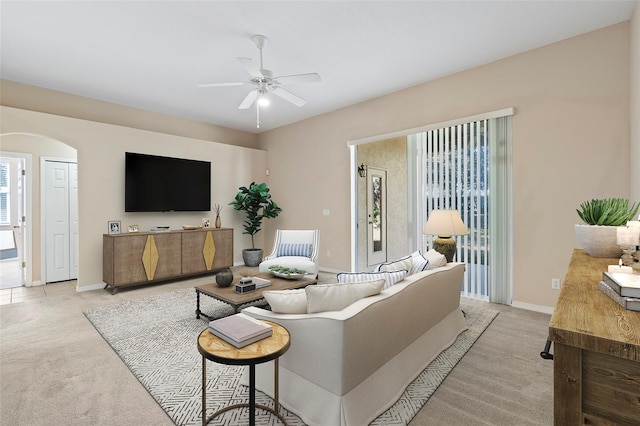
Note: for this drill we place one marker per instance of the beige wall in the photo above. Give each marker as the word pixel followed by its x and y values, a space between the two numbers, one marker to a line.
pixel 570 136
pixel 100 156
pixel 32 98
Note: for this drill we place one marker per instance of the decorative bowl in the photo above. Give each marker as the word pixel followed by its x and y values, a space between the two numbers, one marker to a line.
pixel 288 275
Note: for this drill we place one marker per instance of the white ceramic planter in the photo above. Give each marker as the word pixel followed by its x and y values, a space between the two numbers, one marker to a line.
pixel 598 241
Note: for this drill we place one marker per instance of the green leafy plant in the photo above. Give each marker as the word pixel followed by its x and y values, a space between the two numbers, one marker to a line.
pixel 607 212
pixel 256 202
pixel 284 270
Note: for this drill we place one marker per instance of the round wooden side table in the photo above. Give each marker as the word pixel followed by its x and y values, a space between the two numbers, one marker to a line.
pixel 215 349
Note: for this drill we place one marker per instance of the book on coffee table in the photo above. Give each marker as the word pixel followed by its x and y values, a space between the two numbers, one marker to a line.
pixel 260 282
pixel 240 330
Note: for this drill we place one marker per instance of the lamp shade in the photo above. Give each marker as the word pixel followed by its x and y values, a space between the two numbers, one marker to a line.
pixel 445 223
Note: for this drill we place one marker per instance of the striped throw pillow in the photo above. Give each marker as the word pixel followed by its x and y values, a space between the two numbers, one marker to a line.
pixel 291 249
pixel 418 263
pixel 397 265
pixel 389 277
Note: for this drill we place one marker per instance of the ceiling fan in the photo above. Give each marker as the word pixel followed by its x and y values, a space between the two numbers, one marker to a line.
pixel 265 82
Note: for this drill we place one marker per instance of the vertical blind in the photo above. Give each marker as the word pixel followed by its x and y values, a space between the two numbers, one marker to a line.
pixel 463 167
pixel 456 177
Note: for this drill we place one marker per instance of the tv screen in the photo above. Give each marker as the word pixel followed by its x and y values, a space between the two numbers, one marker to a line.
pixel 162 184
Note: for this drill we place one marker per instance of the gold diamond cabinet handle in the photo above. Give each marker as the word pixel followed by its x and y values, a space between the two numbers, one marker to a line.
pixel 150 257
pixel 209 250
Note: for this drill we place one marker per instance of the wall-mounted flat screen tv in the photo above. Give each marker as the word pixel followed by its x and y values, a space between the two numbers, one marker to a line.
pixel 162 184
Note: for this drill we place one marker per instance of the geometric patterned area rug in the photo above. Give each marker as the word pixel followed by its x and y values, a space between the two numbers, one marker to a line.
pixel 156 339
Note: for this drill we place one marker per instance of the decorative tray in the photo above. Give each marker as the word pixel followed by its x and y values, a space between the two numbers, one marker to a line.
pixel 190 227
pixel 288 276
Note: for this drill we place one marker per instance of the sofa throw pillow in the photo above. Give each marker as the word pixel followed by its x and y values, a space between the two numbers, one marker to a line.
pixel 435 259
pixel 418 263
pixel 403 264
pixel 390 277
pixel 294 249
pixel 287 301
pixel 335 297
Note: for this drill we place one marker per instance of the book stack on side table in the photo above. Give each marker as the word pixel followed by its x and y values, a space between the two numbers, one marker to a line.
pixel 622 288
pixel 240 330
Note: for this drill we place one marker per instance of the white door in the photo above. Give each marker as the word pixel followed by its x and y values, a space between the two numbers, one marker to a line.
pixel 376 216
pixel 61 224
pixel 12 222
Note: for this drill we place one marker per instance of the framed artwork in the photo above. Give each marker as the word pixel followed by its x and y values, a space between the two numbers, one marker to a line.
pixel 133 228
pixel 113 227
pixel 206 222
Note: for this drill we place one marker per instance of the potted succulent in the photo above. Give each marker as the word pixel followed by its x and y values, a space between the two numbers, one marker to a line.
pixel 257 204
pixel 601 218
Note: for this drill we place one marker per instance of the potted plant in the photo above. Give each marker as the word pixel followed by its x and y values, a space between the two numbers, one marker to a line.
pixel 257 204
pixel 601 218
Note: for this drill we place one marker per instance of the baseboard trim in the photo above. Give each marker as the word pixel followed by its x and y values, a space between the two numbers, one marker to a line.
pixel 330 270
pixel 533 307
pixel 80 289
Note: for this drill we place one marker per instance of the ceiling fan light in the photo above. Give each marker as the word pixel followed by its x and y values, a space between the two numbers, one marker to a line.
pixel 263 101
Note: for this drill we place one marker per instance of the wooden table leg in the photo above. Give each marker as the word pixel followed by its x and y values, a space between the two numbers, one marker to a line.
pixel 567 381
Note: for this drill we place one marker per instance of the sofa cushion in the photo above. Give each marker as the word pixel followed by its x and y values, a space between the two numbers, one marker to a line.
pixel 291 249
pixel 390 277
pixel 335 297
pixel 435 259
pixel 419 263
pixel 287 301
pixel 403 264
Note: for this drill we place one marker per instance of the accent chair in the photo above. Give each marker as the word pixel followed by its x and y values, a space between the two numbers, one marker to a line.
pixel 295 249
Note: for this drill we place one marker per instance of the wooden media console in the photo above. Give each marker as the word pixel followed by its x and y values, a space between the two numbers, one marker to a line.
pixel 140 258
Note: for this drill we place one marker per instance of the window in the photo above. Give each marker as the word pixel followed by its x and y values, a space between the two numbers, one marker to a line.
pixel 5 200
pixel 466 167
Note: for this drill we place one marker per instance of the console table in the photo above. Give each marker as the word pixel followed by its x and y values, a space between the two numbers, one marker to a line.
pixel 144 257
pixel 596 350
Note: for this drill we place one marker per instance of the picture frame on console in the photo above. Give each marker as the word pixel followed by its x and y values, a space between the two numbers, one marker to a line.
pixel 133 228
pixel 113 227
pixel 206 222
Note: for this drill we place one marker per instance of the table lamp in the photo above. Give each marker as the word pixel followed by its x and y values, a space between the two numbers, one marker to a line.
pixel 444 224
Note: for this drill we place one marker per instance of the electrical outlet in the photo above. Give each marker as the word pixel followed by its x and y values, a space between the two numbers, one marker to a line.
pixel 328 253
pixel 555 283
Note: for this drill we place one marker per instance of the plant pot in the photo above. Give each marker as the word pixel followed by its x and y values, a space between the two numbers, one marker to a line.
pixel 224 278
pixel 252 257
pixel 599 241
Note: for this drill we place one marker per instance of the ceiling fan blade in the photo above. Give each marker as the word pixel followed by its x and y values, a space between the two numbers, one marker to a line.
pixel 249 100
pixel 236 83
pixel 251 67
pixel 299 78
pixel 286 95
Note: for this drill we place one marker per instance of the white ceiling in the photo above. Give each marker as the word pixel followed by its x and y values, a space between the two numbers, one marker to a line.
pixel 151 54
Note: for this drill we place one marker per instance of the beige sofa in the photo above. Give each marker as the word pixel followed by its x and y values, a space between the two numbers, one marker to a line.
pixel 347 367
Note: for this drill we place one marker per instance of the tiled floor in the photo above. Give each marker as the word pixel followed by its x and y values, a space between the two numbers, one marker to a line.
pixel 23 294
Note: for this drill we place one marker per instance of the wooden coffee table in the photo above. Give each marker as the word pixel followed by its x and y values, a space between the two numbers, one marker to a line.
pixel 229 295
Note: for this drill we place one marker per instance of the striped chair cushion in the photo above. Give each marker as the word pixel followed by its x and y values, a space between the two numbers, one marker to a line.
pixel 289 249
pixel 390 278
